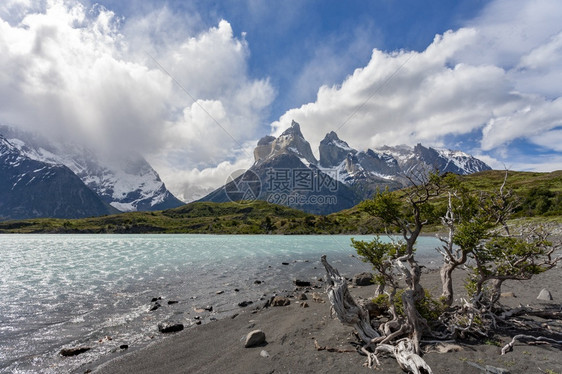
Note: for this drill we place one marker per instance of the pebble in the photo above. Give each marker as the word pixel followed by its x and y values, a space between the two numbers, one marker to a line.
pixel 154 307
pixel 545 295
pixel 280 301
pixel 68 352
pixel 168 327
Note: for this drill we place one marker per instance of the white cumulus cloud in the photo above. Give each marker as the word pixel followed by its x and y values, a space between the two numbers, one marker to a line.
pixel 86 74
pixel 492 82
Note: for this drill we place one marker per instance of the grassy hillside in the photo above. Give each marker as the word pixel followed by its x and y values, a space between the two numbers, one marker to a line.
pixel 540 195
pixel 257 217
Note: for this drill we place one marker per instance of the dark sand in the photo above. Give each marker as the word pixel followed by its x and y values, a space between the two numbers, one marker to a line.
pixel 217 347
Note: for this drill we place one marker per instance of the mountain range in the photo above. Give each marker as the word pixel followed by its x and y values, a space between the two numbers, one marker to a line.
pixel 41 178
pixel 285 171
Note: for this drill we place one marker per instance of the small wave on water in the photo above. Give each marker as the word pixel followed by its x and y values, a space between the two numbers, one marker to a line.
pixel 96 291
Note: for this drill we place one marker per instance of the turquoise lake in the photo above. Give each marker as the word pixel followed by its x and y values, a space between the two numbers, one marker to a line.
pixel 63 291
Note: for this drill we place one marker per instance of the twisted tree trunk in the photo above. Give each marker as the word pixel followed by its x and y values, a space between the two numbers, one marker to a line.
pixel 447 283
pixel 406 350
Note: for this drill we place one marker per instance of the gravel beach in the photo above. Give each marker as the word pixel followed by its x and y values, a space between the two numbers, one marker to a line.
pixel 294 332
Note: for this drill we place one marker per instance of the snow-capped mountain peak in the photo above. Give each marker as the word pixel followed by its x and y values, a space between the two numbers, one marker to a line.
pixel 30 188
pixel 353 175
pixel 128 182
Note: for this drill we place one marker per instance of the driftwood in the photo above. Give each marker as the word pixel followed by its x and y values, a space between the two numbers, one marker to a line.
pixel 406 357
pixel 509 346
pixel 352 314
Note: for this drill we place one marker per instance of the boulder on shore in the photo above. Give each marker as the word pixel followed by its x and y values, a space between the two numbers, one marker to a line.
pixel 254 338
pixel 362 279
pixel 168 327
pixel 155 307
pixel 301 283
pixel 68 352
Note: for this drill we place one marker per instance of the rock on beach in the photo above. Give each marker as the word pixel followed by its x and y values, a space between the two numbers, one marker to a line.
pixel 362 279
pixel 168 327
pixel 545 295
pixel 69 352
pixel 254 338
pixel 280 301
pixel 301 283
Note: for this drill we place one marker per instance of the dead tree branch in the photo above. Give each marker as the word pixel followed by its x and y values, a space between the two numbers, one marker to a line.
pixel 509 346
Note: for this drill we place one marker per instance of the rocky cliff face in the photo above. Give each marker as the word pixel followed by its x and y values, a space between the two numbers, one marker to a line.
pixel 286 180
pixel 264 148
pixel 285 166
pixel 289 142
pixel 333 150
pixel 287 173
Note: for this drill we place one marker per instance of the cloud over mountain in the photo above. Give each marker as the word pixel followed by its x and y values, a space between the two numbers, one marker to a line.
pixel 177 83
pixel 88 75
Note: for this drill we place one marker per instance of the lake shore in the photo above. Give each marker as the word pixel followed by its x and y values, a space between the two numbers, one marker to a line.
pixel 291 333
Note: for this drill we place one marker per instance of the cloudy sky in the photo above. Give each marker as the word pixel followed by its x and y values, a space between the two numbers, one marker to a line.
pixel 192 85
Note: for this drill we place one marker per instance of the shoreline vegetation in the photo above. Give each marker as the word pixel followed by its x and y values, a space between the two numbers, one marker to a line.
pixel 540 194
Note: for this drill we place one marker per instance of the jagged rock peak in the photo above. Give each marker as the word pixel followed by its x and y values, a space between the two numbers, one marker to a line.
pixel 331 136
pixel 291 141
pixel 264 148
pixel 333 150
pixel 295 130
pixel 333 139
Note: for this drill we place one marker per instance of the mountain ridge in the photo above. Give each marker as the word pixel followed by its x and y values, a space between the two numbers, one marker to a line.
pixel 31 188
pixel 352 175
pixel 127 183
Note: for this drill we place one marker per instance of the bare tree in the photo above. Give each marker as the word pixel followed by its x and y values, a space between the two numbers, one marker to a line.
pixel 478 238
